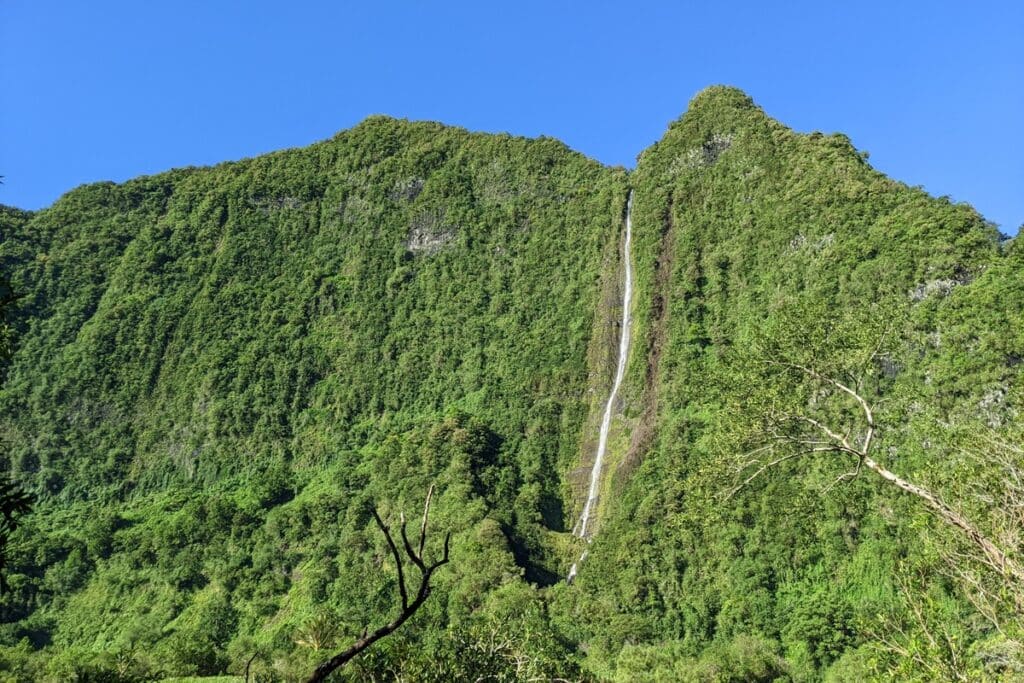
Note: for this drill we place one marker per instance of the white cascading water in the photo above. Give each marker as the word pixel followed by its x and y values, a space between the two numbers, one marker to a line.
pixel 620 371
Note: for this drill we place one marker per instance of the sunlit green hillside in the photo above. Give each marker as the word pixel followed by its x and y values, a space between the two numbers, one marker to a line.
pixel 218 372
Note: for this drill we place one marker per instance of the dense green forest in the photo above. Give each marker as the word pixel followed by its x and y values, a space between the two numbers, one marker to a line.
pixel 217 374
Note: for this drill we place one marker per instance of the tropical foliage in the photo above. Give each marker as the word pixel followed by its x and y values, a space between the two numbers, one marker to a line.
pixel 219 373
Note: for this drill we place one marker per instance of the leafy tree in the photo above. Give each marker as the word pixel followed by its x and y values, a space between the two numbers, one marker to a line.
pixel 14 501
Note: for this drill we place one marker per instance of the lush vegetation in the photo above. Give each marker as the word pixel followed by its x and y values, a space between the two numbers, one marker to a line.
pixel 14 501
pixel 766 245
pixel 218 372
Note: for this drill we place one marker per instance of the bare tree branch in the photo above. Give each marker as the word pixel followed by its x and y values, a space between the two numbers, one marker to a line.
pixel 398 558
pixel 992 554
pixel 423 526
pixel 408 608
pixel 868 415
pixel 248 665
pixel 852 474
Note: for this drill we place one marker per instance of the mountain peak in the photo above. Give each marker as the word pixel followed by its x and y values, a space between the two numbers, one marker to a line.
pixel 720 97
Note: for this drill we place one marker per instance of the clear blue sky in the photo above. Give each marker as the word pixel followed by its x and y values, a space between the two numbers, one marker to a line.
pixel 110 90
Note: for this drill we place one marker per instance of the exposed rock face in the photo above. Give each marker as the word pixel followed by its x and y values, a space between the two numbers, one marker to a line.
pixel 993 408
pixel 940 286
pixel 802 241
pixel 408 189
pixel 266 205
pixel 705 155
pixel 713 148
pixel 428 234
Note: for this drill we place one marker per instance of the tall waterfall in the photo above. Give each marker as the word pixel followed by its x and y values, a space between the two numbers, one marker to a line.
pixel 620 370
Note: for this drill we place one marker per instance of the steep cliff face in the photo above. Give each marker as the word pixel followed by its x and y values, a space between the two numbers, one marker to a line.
pixel 204 322
pixel 219 370
pixel 236 333
pixel 756 244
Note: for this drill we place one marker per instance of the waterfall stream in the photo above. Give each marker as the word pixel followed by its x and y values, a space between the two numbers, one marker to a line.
pixel 589 508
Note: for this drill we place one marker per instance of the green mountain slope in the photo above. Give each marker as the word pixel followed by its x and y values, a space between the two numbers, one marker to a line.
pixel 213 341
pixel 752 238
pixel 219 371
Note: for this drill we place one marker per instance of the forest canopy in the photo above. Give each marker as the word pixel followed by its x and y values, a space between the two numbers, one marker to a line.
pixel 218 374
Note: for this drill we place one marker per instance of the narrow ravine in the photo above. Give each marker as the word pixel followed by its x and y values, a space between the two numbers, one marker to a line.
pixel 582 527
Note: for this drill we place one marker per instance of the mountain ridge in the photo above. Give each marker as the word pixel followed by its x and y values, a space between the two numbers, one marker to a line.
pixel 219 369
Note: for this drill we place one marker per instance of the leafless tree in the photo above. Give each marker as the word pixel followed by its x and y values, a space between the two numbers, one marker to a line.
pixel 1003 502
pixel 248 665
pixel 408 606
pixel 792 435
pixel 917 638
